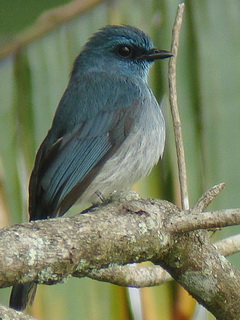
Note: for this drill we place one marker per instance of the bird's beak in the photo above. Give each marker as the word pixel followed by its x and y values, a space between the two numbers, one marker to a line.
pixel 155 54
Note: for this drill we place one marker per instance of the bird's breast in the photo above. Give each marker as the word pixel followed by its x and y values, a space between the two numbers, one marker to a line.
pixel 136 156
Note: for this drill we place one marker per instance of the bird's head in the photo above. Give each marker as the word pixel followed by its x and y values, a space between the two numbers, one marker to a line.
pixel 119 49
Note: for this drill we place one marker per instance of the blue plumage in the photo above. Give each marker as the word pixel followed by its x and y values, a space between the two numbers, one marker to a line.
pixel 108 130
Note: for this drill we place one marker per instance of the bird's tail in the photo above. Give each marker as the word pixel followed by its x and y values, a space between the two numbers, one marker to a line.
pixel 22 295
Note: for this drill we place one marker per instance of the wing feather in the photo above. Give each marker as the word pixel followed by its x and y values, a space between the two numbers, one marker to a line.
pixel 79 143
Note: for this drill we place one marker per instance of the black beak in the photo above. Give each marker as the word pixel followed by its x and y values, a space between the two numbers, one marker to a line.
pixel 155 54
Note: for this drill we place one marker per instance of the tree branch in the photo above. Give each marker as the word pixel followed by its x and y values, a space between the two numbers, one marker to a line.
pixel 132 275
pixel 47 22
pixel 10 314
pixel 194 220
pixel 120 233
pixel 229 245
pixel 135 275
pixel 50 250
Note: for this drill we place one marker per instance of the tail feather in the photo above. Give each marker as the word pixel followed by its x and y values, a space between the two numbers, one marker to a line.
pixel 22 295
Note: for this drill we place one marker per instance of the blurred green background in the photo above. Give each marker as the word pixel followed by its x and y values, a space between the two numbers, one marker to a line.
pixel 32 81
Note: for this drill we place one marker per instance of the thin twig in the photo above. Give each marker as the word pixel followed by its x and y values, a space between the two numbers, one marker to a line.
pixel 229 245
pixel 174 109
pixel 208 197
pixel 195 220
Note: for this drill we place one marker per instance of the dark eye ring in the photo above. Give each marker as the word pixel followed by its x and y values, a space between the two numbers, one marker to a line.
pixel 125 51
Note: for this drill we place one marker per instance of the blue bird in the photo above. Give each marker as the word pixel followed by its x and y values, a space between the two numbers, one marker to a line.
pixel 108 130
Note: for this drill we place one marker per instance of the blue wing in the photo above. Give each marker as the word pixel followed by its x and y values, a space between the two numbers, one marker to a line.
pixel 92 121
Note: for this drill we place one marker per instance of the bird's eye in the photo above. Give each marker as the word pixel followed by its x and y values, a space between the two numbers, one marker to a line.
pixel 125 51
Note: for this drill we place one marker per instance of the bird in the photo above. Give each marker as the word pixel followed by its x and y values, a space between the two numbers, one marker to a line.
pixel 108 130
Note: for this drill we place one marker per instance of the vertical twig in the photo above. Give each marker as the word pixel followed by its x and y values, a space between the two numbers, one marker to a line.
pixel 174 109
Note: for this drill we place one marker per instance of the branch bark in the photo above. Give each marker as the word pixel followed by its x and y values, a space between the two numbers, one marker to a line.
pixel 119 233
pixel 10 314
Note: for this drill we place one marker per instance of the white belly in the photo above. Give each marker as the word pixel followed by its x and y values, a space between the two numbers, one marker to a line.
pixel 135 158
